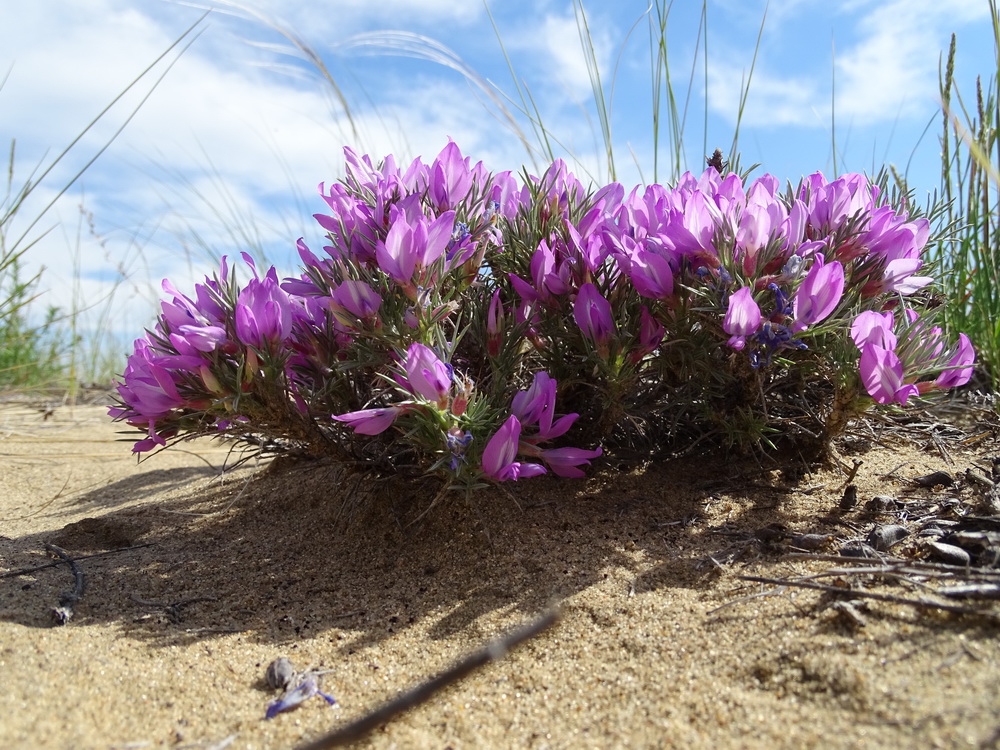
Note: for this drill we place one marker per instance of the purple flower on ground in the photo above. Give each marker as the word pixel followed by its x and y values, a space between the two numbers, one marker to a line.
pixel 922 350
pixel 819 293
pixel 882 375
pixel 263 312
pixel 357 298
pixel 299 694
pixel 498 457
pixel 538 405
pixel 960 365
pixel 871 327
pixel 565 462
pixel 593 314
pixel 370 421
pixel 427 375
pixel 742 317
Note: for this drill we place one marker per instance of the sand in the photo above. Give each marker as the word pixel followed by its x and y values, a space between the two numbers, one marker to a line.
pixel 660 643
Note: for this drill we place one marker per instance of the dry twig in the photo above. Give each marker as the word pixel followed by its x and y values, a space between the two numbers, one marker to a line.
pixel 422 692
pixel 36 568
pixel 842 591
pixel 63 612
pixel 172 609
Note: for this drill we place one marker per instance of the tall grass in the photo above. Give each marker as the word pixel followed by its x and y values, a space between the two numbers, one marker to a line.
pixel 30 353
pixel 970 164
pixel 43 354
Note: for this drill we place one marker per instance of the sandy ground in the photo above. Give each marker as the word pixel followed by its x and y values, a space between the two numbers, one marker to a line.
pixel 660 643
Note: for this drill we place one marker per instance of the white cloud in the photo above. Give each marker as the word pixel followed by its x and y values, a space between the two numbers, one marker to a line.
pixel 892 70
pixel 218 134
pixel 342 15
pixel 553 43
pixel 773 100
pixel 560 38
pixel 885 64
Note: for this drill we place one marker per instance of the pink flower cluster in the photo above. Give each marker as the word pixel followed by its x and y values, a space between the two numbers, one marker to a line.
pixel 891 369
pixel 780 269
pixel 534 407
pixel 450 307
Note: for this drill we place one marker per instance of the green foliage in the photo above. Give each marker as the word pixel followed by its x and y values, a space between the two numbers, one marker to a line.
pixel 31 356
pixel 970 162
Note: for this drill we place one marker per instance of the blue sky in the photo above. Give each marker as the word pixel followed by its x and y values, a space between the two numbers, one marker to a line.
pixel 228 150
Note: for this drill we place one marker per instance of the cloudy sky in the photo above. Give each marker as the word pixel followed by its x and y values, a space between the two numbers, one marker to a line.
pixel 226 152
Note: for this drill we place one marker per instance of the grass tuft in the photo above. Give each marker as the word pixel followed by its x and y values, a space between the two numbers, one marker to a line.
pixel 970 161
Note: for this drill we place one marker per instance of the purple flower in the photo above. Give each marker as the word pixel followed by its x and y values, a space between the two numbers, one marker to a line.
pixel 538 405
pixel 370 421
pixel 756 225
pixel 819 293
pixel 427 375
pixel 204 310
pixel 529 404
pixel 898 276
pixel 552 270
pixel 742 317
pixel 960 365
pixel 565 461
pixel 651 274
pixel 450 178
pixel 873 328
pixel 148 388
pixel 694 229
pixel 882 375
pixel 149 393
pixel 593 314
pixel 263 312
pixel 794 227
pixel 302 692
pixel 190 339
pixel 498 457
pixel 494 325
pixel 651 334
pixel 357 298
pixel 833 203
pixel 413 243
pixel 307 255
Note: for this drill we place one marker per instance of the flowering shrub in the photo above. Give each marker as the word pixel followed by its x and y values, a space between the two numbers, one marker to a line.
pixel 481 326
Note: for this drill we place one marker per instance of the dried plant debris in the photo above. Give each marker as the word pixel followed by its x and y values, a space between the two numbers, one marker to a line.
pixel 297 687
pixel 420 693
pixel 279 674
pixel 172 610
pixel 949 554
pixel 63 612
pixel 883 537
pixel 935 479
pixel 932 549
